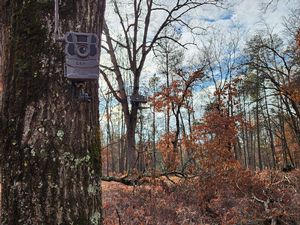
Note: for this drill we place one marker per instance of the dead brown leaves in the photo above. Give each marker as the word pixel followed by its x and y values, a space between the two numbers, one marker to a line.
pixel 234 197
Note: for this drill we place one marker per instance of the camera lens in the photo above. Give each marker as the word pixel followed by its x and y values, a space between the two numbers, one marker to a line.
pixel 82 50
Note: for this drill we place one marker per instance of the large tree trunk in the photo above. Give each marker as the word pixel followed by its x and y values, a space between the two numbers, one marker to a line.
pixel 121 146
pixel 49 141
pixel 131 122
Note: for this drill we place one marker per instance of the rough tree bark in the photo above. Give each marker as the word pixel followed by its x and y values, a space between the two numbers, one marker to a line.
pixel 49 141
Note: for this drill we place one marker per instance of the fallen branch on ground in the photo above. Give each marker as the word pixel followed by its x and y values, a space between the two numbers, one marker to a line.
pixel 123 180
pixel 266 206
pixel 142 179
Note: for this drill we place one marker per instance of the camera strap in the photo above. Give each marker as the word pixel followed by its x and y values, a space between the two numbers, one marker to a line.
pixel 56 22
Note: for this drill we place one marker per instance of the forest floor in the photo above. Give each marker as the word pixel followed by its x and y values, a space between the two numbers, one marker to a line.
pixel 237 197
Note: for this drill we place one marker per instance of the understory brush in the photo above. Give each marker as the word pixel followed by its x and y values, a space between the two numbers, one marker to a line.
pixel 233 197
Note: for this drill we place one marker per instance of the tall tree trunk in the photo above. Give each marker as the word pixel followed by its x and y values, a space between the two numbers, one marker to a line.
pixel 269 128
pixel 168 116
pixel 122 144
pixel 283 140
pixel 176 113
pixel 141 144
pixel 153 141
pixel 258 136
pixel 285 148
pixel 245 134
pixel 184 137
pixel 252 158
pixel 49 141
pixel 131 122
pixel 108 135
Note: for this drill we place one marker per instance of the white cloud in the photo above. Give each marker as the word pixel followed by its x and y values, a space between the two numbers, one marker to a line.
pixel 201 99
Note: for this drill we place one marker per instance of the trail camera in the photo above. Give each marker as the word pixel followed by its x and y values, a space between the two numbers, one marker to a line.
pixel 82 56
pixel 138 99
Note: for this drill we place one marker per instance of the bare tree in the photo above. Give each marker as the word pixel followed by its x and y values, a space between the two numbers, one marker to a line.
pixel 278 66
pixel 169 57
pixel 153 83
pixel 220 55
pixel 138 39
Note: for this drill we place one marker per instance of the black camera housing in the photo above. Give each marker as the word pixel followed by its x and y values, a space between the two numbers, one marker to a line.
pixel 81 56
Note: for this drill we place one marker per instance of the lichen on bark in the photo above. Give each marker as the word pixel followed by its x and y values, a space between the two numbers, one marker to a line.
pixel 48 148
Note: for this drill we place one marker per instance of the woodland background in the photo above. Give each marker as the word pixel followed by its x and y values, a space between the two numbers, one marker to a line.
pixel 218 139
